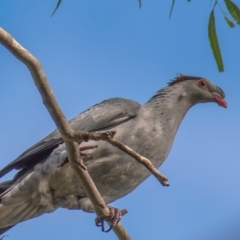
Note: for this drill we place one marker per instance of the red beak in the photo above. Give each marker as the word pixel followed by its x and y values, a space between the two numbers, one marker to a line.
pixel 219 100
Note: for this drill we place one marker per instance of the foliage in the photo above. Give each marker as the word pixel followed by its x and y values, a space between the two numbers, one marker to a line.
pixel 212 35
pixel 57 6
pixel 233 11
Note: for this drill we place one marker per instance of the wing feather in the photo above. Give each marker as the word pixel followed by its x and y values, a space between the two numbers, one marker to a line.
pixel 97 118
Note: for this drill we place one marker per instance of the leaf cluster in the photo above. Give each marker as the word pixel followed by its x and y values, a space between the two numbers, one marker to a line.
pixel 234 12
pixel 232 16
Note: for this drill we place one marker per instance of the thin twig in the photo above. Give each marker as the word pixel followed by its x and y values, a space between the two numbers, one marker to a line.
pixel 220 7
pixel 108 136
pixel 160 177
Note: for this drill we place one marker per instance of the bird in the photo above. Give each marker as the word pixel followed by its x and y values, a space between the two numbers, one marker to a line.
pixel 45 181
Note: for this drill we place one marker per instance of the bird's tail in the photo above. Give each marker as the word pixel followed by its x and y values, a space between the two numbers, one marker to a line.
pixel 11 215
pixel 17 203
pixel 3 230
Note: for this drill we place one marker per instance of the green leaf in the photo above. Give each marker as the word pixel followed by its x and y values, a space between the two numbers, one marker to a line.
pixel 212 36
pixel 140 3
pixel 173 2
pixel 58 4
pixel 233 10
pixel 229 22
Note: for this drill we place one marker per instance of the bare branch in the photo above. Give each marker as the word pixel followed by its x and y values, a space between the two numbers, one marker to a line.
pixel 69 135
pixel 108 136
pixel 63 126
pixel 160 177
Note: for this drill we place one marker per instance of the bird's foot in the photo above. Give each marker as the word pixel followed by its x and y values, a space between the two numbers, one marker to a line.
pixel 83 152
pixel 113 218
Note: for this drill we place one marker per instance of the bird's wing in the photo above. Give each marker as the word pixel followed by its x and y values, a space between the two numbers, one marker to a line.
pixel 99 117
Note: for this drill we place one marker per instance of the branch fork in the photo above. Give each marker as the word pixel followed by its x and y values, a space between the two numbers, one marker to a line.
pixel 72 139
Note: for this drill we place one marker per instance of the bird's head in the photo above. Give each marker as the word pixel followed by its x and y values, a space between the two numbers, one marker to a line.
pixel 199 90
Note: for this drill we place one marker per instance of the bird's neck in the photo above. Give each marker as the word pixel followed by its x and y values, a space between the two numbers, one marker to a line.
pixel 169 103
pixel 166 109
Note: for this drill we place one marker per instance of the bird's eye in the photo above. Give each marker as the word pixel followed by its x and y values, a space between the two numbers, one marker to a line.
pixel 202 83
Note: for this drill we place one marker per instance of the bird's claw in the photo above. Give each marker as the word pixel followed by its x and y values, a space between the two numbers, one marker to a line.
pixel 83 150
pixel 83 153
pixel 113 218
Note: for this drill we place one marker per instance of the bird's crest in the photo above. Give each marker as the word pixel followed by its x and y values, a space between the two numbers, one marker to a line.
pixel 180 78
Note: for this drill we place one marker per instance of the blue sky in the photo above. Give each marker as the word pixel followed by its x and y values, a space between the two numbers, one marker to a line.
pixel 95 50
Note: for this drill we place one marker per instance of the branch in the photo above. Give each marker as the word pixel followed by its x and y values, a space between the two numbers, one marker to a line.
pixel 108 136
pixel 160 177
pixel 73 138
pixel 63 126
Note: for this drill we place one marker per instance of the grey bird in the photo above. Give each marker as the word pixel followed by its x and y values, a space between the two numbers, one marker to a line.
pixel 45 181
